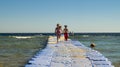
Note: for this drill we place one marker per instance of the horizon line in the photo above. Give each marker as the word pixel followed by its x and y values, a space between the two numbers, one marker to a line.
pixel 53 32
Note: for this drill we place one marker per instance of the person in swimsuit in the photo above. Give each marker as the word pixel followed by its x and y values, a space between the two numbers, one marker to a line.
pixel 65 32
pixel 58 31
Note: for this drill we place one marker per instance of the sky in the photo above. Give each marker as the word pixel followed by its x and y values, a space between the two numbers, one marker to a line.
pixel 36 16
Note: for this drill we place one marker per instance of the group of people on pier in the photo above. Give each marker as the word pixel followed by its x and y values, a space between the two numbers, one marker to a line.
pixel 59 31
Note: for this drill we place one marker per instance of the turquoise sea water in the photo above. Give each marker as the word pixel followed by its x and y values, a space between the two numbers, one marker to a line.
pixel 15 52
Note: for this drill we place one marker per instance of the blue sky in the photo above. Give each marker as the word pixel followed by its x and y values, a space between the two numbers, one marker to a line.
pixel 43 15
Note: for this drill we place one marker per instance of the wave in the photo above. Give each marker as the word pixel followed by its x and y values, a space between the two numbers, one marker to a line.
pixel 22 37
pixel 85 35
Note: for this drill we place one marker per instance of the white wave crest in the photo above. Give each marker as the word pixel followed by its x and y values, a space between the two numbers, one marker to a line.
pixel 22 37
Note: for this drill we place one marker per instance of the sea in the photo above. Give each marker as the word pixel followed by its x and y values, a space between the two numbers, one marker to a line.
pixel 17 48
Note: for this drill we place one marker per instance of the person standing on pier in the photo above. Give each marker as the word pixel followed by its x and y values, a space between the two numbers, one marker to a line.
pixel 58 31
pixel 65 31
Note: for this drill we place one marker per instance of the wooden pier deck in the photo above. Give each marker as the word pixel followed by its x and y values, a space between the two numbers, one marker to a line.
pixel 68 54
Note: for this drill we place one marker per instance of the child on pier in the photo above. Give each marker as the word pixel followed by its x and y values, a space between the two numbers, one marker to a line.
pixel 65 31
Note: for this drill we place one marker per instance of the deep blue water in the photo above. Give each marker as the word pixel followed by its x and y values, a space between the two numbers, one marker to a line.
pixel 32 34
